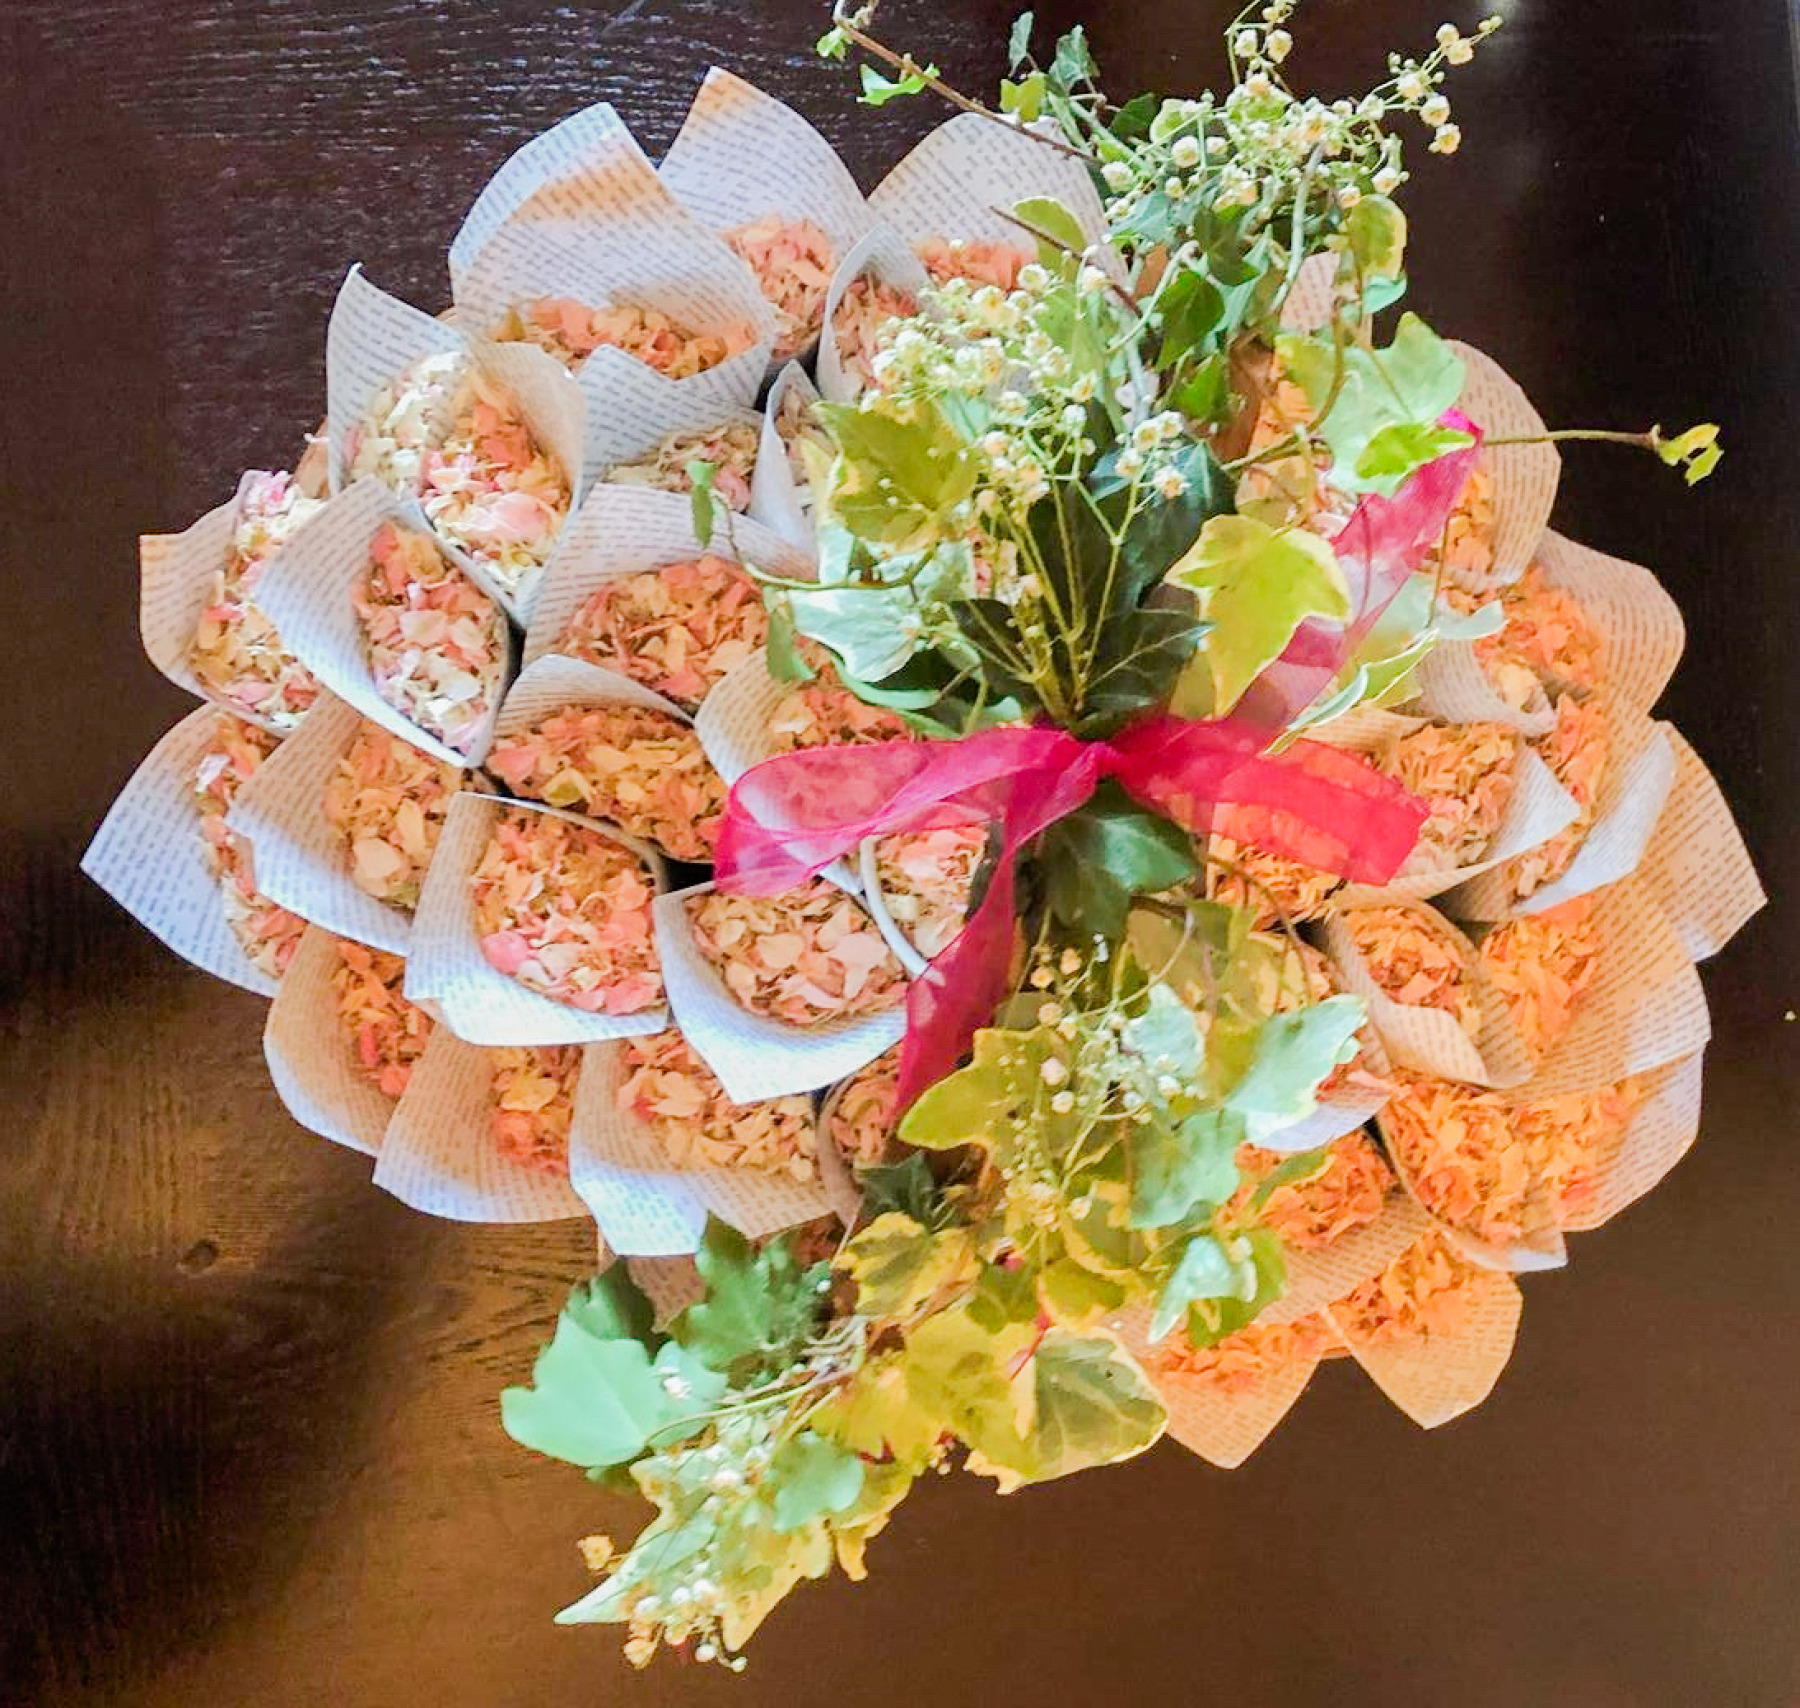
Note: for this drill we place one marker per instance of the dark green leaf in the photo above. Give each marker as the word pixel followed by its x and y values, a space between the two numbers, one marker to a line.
pixel 613 1307
pixel 760 1307
pixel 904 1187
pixel 1100 856
pixel 1131 123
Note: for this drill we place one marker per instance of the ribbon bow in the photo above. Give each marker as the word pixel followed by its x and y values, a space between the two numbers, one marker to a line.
pixel 791 816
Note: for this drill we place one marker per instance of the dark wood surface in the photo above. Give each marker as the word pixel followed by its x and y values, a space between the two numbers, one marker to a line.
pixel 249 1450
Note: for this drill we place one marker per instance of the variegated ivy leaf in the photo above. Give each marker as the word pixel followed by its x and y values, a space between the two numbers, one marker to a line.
pixel 898 1266
pixel 1256 585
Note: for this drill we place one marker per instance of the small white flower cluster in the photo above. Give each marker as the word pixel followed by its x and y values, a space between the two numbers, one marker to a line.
pixel 1262 148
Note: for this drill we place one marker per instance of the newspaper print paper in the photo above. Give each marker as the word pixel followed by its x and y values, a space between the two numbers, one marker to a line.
pixel 302 858
pixel 622 530
pixel 644 1204
pixel 149 855
pixel 885 257
pixel 312 1056
pixel 777 500
pixel 439 1155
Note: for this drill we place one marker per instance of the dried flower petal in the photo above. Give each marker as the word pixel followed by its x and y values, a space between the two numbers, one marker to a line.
pixel 981 263
pixel 389 800
pixel 1465 555
pixel 1344 1192
pixel 803 957
pixel 1576 750
pixel 639 768
pixel 793 262
pixel 1414 959
pixel 268 934
pixel 565 910
pixel 863 1111
pixel 797 426
pixel 730 448
pixel 926 879
pixel 1272 886
pixel 436 642
pixel 236 653
pixel 677 629
pixel 864 313
pixel 1548 633
pixel 673 1092
pixel 387 1033
pixel 1241 1362
pixel 1541 963
pixel 534 1104
pixel 445 434
pixel 823 711
pixel 1466 774
pixel 1424 1291
pixel 571 332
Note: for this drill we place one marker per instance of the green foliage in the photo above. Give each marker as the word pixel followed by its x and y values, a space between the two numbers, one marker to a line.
pixel 1256 584
pixel 1696 452
pixel 760 1309
pixel 898 1265
pixel 895 481
pixel 1409 385
pixel 1102 855
pixel 1018 40
pixel 878 90
pixel 1294 1053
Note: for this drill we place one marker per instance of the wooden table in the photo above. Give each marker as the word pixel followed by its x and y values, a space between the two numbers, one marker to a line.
pixel 249 1450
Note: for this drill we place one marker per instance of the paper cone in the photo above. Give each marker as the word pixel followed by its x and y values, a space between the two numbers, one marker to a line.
pixel 955 182
pixel 149 855
pixel 1697 866
pixel 1430 1040
pixel 1454 686
pixel 1222 1427
pixel 1538 809
pixel 439 1154
pixel 742 155
pixel 622 530
pixel 554 682
pixel 1317 1277
pixel 312 1057
pixel 1640 771
pixel 307 593
pixel 1434 1378
pixel 1662 1127
pixel 756 1057
pixel 777 500
pixel 374 338
pixel 1525 476
pixel 481 1004
pixel 643 1203
pixel 1640 623
pixel 885 257
pixel 302 859
pixel 1644 1008
pixel 175 576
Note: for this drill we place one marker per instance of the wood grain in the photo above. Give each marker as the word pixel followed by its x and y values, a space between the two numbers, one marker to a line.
pixel 249 1449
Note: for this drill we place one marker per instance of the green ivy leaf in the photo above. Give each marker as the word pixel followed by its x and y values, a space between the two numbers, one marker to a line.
pixel 1090 1405
pixel 899 1266
pixel 1025 97
pixel 1166 1036
pixel 834 44
pixel 1376 232
pixel 1176 1165
pixel 1073 63
pixel 906 1188
pixel 1257 584
pixel 876 1415
pixel 1099 857
pixel 1131 123
pixel 1696 452
pixel 812 1478
pixel 895 481
pixel 1076 1295
pixel 1050 217
pixel 1003 1296
pixel 1203 1272
pixel 760 1307
pixel 1411 383
pixel 878 90
pixel 1018 41
pixel 1294 1052
pixel 1000 1096
pixel 1211 1320
pixel 1401 449
pixel 599 1402
pixel 613 1307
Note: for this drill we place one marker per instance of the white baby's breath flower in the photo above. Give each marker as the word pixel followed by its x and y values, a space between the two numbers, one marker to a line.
pixel 1257 85
pixel 1170 484
pixel 1387 181
pixel 1278 45
pixel 1130 464
pixel 1092 279
pixel 1033 277
pixel 1117 175
pixel 1244 44
pixel 1186 151
pixel 1436 111
pixel 1412 86
pixel 1447 140
pixel 1348 196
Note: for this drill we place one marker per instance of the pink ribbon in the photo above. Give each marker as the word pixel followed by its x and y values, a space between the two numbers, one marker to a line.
pixel 791 816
